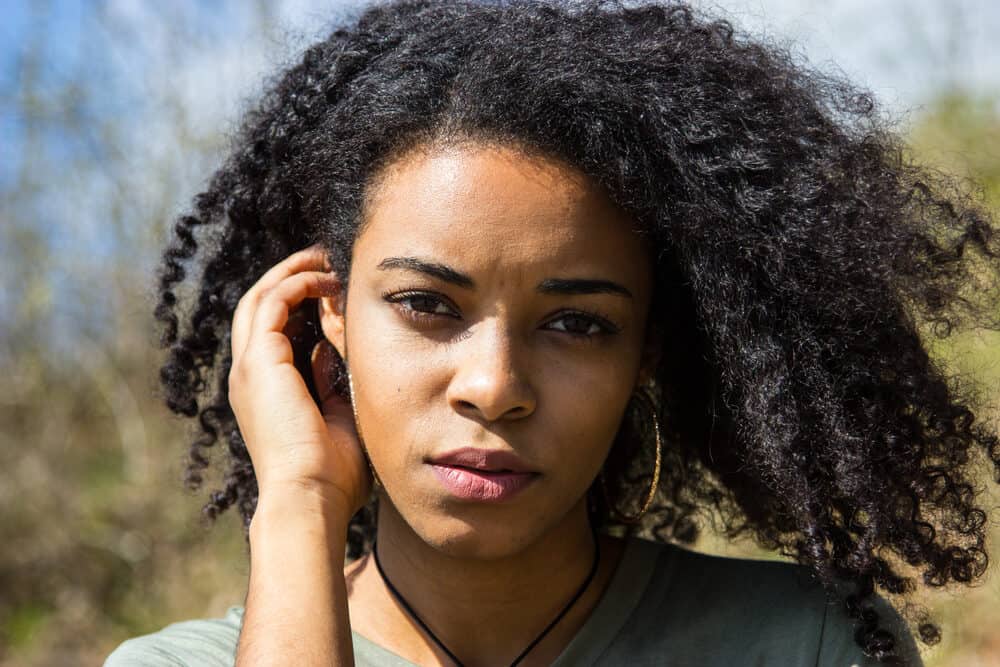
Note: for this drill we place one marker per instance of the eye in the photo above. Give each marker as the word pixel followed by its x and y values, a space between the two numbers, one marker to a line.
pixel 582 324
pixel 421 304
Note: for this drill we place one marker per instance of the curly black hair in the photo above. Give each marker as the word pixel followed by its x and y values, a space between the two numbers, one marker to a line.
pixel 804 264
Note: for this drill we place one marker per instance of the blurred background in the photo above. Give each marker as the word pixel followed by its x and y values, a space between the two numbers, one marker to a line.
pixel 112 115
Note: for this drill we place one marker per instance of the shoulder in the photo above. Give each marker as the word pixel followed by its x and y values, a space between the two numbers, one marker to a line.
pixel 210 642
pixel 713 610
pixel 762 602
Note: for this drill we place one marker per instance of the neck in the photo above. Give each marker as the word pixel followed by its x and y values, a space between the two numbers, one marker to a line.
pixel 490 609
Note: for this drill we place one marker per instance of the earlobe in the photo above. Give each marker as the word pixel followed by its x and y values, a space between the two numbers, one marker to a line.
pixel 331 319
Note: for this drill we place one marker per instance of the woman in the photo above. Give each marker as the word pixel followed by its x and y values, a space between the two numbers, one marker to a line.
pixel 489 290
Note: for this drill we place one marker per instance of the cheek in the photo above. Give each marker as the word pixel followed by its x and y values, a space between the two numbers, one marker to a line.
pixel 395 383
pixel 585 410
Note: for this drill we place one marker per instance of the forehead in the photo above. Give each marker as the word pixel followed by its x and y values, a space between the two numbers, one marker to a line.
pixel 483 206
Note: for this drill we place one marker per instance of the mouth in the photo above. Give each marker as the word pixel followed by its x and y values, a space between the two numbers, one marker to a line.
pixel 482 460
pixel 480 475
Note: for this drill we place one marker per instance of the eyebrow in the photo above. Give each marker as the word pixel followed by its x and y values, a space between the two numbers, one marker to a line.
pixel 567 286
pixel 582 286
pixel 434 269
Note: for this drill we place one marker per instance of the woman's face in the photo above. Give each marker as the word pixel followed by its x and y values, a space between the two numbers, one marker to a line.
pixel 497 303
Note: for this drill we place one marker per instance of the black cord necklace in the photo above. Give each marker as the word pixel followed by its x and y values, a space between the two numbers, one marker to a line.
pixel 518 659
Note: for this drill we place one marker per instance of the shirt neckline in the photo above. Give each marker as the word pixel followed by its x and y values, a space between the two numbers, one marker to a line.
pixel 620 598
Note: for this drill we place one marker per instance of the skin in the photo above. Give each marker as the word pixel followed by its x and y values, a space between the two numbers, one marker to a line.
pixel 489 361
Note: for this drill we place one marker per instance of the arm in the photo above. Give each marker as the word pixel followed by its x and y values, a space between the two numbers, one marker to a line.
pixel 311 475
pixel 296 605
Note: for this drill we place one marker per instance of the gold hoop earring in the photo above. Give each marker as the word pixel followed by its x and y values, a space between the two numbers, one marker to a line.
pixel 350 398
pixel 648 502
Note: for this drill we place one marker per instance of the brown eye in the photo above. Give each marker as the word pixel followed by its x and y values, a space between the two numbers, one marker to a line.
pixel 577 325
pixel 582 325
pixel 422 303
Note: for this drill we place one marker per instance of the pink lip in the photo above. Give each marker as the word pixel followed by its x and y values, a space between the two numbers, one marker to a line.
pixel 482 475
pixel 487 460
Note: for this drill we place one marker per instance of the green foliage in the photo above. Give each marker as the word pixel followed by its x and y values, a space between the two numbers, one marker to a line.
pixel 24 623
pixel 960 133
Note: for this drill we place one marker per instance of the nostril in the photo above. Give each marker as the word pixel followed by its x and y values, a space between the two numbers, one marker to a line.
pixel 491 410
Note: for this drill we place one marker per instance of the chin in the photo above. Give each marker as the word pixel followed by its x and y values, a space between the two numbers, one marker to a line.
pixel 478 536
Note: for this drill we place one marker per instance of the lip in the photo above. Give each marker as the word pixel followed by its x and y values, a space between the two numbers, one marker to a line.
pixel 482 475
pixel 486 460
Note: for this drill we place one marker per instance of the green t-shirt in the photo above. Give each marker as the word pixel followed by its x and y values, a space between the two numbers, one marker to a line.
pixel 664 606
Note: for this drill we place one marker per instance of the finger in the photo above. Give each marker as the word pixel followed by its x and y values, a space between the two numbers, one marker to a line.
pixel 277 303
pixel 312 258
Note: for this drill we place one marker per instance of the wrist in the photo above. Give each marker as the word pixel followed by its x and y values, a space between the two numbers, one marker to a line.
pixel 297 506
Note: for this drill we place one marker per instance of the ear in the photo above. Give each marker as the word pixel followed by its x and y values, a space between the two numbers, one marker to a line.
pixel 331 320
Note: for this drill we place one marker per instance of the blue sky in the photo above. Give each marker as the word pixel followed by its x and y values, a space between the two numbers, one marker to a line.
pixel 905 51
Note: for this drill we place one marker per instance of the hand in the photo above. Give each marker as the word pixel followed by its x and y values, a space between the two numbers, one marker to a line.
pixel 294 444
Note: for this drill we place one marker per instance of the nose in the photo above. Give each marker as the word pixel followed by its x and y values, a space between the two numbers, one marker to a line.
pixel 488 383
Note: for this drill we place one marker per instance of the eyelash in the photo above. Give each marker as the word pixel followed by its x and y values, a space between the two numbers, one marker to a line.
pixel 593 317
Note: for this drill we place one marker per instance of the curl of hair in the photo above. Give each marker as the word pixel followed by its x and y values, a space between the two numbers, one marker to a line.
pixel 790 230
